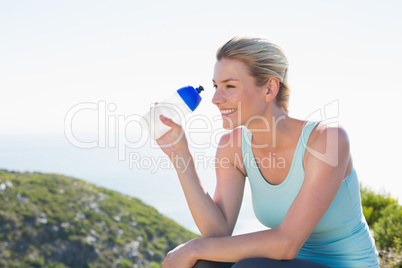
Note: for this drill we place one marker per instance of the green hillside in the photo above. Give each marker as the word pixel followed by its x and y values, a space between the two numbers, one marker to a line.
pixel 49 220
pixel 54 221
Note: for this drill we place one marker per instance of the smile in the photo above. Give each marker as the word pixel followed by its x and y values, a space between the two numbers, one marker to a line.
pixel 228 111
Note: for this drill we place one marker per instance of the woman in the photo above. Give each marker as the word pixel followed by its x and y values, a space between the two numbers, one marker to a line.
pixel 309 199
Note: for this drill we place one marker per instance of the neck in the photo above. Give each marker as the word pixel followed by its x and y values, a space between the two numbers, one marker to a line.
pixel 268 129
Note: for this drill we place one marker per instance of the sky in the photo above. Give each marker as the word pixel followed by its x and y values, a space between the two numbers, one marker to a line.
pixel 121 56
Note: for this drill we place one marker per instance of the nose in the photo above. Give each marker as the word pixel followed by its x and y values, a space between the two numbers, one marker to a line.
pixel 218 98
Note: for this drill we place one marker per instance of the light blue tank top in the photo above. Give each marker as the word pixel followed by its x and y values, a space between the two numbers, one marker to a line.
pixel 341 238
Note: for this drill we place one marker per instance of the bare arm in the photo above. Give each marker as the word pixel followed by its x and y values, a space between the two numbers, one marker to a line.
pixel 321 184
pixel 213 217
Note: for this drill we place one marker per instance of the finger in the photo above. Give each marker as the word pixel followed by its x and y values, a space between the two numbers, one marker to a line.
pixel 169 122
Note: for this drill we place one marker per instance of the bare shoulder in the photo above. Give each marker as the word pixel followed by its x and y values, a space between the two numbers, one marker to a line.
pixel 323 134
pixel 229 148
pixel 328 143
pixel 232 138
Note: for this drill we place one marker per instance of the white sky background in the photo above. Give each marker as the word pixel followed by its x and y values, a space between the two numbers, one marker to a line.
pixel 56 54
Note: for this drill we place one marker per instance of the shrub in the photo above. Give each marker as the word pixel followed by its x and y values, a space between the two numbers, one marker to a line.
pixel 384 216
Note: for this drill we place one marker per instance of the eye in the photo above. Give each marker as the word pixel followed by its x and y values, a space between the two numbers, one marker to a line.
pixel 215 86
pixel 230 86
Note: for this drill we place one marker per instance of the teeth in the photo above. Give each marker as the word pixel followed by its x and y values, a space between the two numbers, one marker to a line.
pixel 228 111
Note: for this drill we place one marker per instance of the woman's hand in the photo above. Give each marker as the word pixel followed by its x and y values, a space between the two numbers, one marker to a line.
pixel 182 256
pixel 174 142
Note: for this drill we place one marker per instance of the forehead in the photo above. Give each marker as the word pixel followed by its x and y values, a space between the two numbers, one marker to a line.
pixel 230 69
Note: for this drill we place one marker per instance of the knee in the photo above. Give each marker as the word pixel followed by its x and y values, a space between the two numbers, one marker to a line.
pixel 201 264
pixel 263 262
pixel 212 264
pixel 246 263
pixel 254 262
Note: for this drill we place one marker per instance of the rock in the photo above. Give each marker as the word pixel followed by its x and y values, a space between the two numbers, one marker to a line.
pixel 120 233
pixel 65 225
pixel 23 199
pixel 42 218
pixel 80 216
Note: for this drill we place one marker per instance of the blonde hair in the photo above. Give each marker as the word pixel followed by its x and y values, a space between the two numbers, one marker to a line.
pixel 264 60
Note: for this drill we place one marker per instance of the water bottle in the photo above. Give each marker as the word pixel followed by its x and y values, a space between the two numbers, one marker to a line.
pixel 176 107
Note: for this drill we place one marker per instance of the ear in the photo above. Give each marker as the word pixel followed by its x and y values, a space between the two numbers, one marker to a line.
pixel 272 89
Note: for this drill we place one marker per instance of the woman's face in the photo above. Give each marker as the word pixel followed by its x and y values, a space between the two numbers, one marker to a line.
pixel 236 95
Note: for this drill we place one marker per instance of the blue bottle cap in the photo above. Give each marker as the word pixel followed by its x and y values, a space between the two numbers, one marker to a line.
pixel 191 96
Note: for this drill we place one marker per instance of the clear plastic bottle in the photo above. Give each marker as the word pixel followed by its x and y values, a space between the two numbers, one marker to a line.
pixel 182 102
